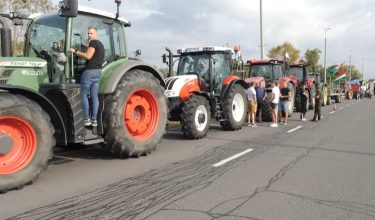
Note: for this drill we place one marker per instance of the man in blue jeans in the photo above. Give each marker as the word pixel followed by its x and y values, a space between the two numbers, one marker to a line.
pixel 91 76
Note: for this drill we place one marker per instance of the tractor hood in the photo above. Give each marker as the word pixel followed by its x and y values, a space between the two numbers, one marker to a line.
pixel 181 86
pixel 23 71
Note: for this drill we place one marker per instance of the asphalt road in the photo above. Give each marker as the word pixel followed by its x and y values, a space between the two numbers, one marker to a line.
pixel 303 170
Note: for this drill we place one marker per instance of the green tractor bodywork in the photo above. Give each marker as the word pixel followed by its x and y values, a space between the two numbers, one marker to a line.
pixel 40 99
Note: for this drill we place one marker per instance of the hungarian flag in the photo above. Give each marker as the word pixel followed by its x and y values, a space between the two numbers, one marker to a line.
pixel 341 76
pixel 334 69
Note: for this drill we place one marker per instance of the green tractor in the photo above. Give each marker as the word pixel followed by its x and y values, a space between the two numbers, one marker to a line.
pixel 40 99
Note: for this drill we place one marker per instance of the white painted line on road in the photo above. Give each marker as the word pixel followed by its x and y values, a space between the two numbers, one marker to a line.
pixel 294 129
pixel 347 105
pixel 232 158
pixel 332 112
pixel 341 108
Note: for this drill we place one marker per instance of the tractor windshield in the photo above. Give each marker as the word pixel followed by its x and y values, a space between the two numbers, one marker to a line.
pixel 295 71
pixel 267 71
pixel 194 63
pixel 43 32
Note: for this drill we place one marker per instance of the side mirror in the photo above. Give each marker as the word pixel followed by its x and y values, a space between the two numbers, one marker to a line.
pixel 164 58
pixel 68 8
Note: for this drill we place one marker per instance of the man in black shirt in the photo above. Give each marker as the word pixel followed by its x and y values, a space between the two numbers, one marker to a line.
pixel 91 76
pixel 285 95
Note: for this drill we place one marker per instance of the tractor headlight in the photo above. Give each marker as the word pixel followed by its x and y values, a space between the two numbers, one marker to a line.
pixel 170 93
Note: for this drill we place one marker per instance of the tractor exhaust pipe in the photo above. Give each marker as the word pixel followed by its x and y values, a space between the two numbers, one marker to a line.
pixel 170 62
pixel 5 40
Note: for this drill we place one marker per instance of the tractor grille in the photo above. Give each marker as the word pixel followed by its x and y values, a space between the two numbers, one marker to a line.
pixel 5 73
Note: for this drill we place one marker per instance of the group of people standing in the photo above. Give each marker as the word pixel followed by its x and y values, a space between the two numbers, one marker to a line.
pixel 256 96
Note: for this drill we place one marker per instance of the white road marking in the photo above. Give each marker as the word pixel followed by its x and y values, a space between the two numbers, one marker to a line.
pixel 294 129
pixel 341 108
pixel 332 112
pixel 232 158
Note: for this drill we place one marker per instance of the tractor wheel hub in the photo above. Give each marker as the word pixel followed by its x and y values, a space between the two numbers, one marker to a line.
pixel 6 143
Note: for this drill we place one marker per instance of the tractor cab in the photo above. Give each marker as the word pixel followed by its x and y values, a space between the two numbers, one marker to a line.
pixel 298 71
pixel 211 64
pixel 67 32
pixel 267 69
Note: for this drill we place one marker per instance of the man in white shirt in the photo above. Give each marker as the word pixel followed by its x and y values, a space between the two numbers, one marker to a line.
pixel 251 105
pixel 274 103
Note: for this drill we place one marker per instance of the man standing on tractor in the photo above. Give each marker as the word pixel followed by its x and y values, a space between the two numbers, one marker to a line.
pixel 261 96
pixel 285 96
pixel 274 103
pixel 317 110
pixel 91 76
pixel 251 105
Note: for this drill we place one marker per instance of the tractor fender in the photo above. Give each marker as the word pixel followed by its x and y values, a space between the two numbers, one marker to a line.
pixel 110 78
pixel 229 82
pixel 46 105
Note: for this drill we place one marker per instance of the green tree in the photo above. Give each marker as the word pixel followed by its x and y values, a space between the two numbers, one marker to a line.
pixel 279 52
pixel 312 57
pixel 29 6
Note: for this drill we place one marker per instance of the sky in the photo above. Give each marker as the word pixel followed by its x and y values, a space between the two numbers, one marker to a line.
pixel 191 23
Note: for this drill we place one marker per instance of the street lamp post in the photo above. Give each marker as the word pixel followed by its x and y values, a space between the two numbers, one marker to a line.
pixel 325 53
pixel 350 64
pixel 261 31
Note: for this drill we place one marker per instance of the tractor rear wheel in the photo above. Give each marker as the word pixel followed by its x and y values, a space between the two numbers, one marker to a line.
pixel 135 115
pixel 26 140
pixel 195 117
pixel 234 107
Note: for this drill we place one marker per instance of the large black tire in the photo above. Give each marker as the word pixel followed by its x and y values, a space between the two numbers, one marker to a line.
pixel 32 141
pixel 297 100
pixel 266 111
pixel 234 108
pixel 135 115
pixel 292 98
pixel 195 117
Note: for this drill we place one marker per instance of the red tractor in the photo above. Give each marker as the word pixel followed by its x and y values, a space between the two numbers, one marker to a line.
pixel 299 72
pixel 267 70
pixel 204 88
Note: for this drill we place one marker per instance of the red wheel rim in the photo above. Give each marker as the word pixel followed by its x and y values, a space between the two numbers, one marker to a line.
pixel 24 144
pixel 141 114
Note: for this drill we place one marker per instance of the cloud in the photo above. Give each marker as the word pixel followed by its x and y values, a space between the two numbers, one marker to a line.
pixel 179 24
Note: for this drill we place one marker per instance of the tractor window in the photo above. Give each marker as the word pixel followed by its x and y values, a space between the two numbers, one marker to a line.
pixel 295 71
pixel 277 71
pixel 221 69
pixel 261 70
pixel 194 63
pixel 117 39
pixel 43 33
pixel 80 25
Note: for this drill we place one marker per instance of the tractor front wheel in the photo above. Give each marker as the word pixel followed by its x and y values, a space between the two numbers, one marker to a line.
pixel 135 115
pixel 195 117
pixel 26 140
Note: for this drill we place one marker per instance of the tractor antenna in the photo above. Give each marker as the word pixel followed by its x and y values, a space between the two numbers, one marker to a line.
pixel 118 2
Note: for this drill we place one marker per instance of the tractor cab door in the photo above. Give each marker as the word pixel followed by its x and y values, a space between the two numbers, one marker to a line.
pixel 221 68
pixel 110 33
